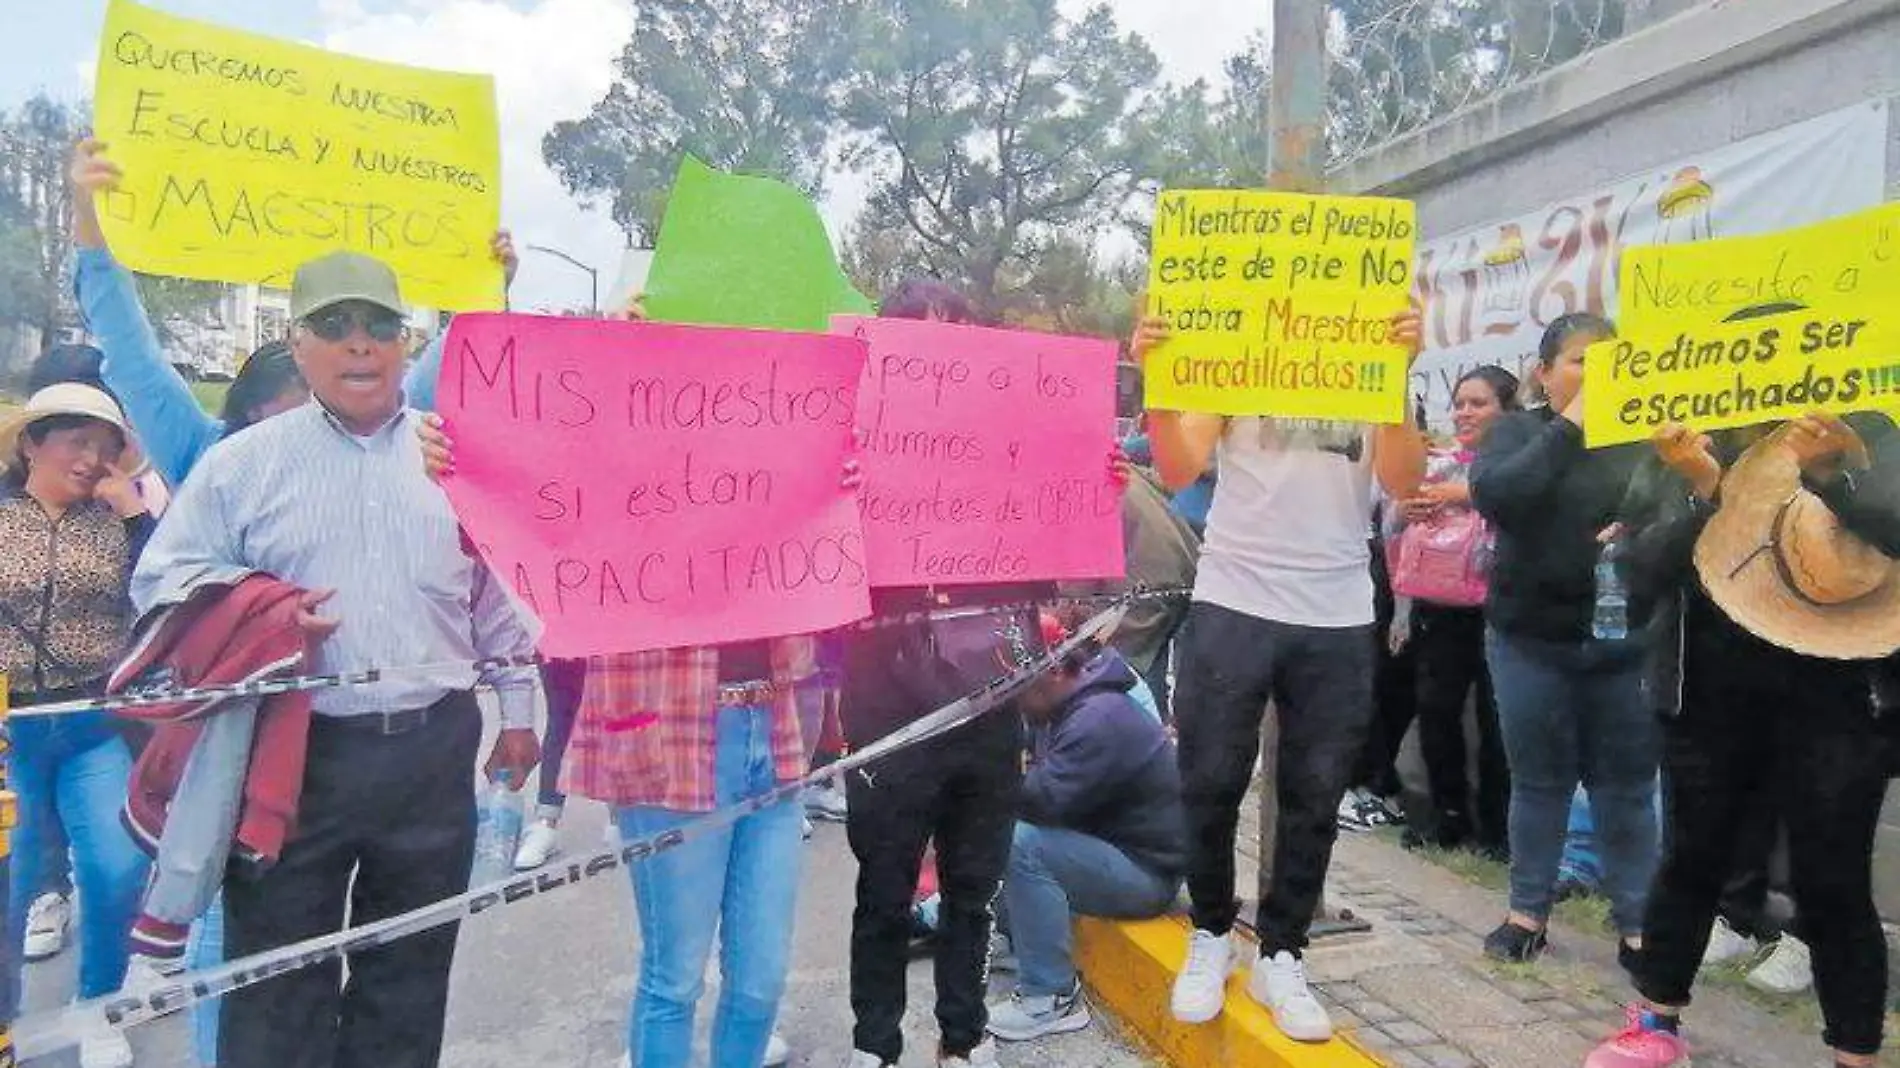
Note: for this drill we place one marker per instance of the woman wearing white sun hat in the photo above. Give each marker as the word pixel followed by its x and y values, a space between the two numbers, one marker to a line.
pixel 71 527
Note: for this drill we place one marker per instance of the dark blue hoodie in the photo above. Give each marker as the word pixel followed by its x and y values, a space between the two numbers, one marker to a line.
pixel 1104 767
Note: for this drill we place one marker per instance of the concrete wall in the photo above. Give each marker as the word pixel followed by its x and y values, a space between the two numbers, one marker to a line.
pixel 1691 75
pixel 1719 72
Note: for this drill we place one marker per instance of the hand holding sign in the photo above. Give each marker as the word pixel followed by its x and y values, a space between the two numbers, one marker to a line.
pixel 1824 445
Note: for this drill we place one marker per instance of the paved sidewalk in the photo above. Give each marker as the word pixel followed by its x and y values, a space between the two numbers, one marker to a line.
pixel 1417 991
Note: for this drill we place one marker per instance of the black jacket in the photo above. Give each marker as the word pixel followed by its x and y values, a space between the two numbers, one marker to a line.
pixel 1105 768
pixel 1664 519
pixel 1548 498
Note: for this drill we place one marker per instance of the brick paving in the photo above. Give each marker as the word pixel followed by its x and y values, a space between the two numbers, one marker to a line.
pixel 1417 991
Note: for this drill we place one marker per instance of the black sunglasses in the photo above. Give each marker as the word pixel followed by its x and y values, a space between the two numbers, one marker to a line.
pixel 335 324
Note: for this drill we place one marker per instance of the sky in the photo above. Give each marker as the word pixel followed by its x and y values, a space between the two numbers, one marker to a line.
pixel 551 60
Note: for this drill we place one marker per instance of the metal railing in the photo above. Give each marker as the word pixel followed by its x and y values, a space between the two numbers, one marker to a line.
pixel 1400 65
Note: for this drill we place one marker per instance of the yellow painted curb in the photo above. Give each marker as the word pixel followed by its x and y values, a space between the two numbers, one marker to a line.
pixel 1130 969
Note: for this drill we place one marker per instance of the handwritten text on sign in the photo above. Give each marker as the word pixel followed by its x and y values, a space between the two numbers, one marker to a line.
pixel 985 454
pixel 645 486
pixel 1280 304
pixel 1749 330
pixel 245 156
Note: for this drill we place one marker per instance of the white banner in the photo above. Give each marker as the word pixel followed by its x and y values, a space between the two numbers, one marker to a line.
pixel 1488 293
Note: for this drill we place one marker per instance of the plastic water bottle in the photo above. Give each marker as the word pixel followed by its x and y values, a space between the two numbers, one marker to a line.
pixel 1610 621
pixel 497 831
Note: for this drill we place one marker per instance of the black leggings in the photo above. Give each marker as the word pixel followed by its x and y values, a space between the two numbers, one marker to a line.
pixel 1757 720
pixel 1448 649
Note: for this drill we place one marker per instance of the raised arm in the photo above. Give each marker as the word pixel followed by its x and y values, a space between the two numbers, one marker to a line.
pixel 171 425
pixel 418 385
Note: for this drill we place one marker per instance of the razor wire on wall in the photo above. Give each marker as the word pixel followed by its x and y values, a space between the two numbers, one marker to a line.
pixel 1399 65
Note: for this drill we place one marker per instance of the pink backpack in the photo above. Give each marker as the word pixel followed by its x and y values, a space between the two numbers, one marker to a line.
pixel 1445 559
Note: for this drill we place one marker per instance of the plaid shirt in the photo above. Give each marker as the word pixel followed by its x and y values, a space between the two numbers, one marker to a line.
pixel 669 762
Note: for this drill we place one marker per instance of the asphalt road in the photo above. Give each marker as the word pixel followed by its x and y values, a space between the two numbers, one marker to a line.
pixel 547 982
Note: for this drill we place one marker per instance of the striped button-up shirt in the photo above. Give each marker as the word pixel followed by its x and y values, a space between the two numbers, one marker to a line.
pixel 301 498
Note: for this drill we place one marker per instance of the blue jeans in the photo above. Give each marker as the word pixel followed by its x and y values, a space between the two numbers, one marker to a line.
pixel 1055 875
pixel 71 771
pixel 1575 713
pixel 742 882
pixel 206 950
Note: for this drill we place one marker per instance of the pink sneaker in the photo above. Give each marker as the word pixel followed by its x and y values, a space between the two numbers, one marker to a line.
pixel 1638 1046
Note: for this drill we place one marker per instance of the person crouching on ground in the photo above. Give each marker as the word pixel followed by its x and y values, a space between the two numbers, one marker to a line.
pixel 1099 832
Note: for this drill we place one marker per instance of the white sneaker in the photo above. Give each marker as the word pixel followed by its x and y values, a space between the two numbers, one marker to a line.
pixel 1201 988
pixel 105 1048
pixel 46 924
pixel 149 973
pixel 778 1052
pixel 1788 970
pixel 1727 944
pixel 1279 983
pixel 983 1056
pixel 805 827
pixel 1021 1019
pixel 540 840
pixel 1351 814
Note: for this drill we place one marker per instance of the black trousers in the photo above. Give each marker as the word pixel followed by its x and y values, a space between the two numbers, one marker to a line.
pixel 1395 694
pixel 958 790
pixel 1320 683
pixel 1755 721
pixel 386 824
pixel 1448 649
pixel 1744 901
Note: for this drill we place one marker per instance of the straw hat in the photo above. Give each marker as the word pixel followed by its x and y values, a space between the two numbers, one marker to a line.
pixel 1779 563
pixel 70 398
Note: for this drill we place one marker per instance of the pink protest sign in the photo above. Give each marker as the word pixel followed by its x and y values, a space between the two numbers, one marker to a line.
pixel 643 486
pixel 985 454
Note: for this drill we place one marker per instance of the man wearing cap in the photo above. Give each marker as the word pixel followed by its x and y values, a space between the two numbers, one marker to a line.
pixel 332 497
pixel 1784 560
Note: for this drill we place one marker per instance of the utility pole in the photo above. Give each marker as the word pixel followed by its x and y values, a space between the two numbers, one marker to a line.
pixel 1296 133
pixel 1296 102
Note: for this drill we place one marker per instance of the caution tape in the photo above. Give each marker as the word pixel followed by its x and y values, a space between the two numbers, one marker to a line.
pixel 152 696
pixel 48 1032
pixel 155 696
pixel 936 615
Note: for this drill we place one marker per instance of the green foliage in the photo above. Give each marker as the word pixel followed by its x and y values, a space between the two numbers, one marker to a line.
pixel 738 83
pixel 995 129
pixel 36 214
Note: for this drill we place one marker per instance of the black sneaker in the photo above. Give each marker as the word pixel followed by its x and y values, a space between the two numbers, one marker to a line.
pixel 1515 945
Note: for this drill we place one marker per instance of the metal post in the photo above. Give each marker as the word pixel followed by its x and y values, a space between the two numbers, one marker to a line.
pixel 593 276
pixel 1296 101
pixel 1296 121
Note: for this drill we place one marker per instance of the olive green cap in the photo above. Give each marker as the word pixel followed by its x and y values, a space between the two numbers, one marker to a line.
pixel 332 279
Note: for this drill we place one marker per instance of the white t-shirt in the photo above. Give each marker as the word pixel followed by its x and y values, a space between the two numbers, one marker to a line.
pixel 1286 538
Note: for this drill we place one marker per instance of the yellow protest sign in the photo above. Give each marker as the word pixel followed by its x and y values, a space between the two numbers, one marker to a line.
pixel 1280 304
pixel 1740 331
pixel 245 156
